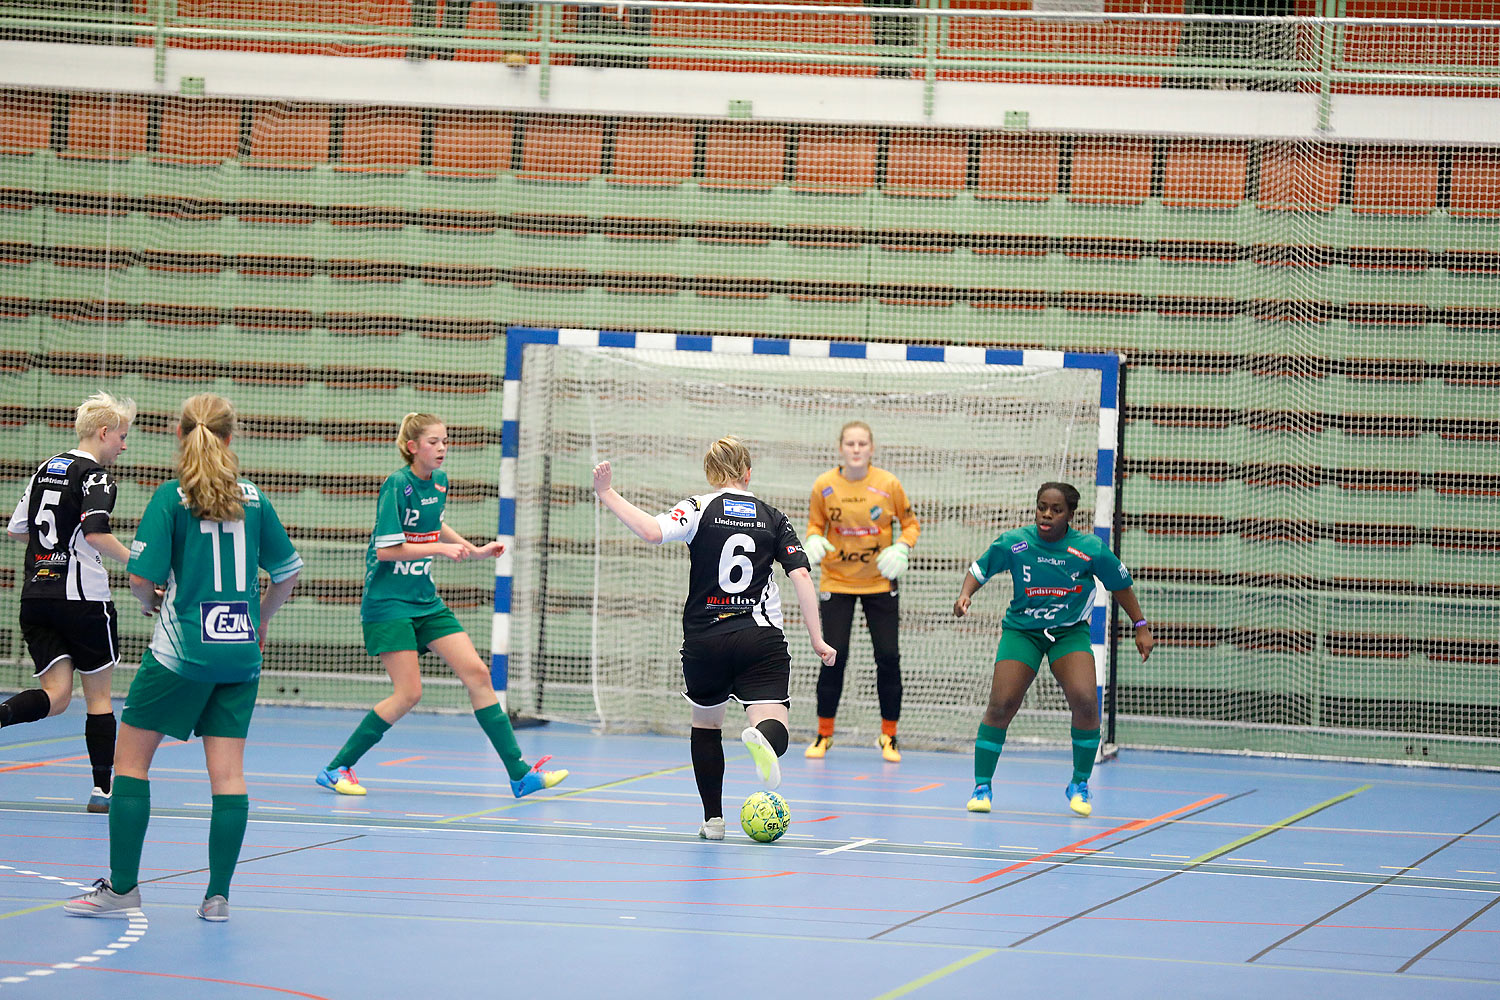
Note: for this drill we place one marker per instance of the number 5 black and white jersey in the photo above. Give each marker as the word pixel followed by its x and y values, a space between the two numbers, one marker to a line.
pixel 733 538
pixel 69 496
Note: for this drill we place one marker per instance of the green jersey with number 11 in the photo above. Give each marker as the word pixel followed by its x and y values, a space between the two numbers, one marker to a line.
pixel 1054 581
pixel 410 509
pixel 209 628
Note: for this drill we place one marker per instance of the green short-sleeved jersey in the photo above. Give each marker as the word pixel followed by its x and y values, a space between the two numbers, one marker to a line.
pixel 1054 581
pixel 209 626
pixel 410 509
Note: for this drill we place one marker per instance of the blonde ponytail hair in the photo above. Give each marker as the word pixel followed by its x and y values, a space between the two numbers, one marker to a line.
pixel 412 426
pixel 207 468
pixel 727 461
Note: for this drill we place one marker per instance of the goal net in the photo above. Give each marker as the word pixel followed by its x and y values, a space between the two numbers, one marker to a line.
pixel 595 624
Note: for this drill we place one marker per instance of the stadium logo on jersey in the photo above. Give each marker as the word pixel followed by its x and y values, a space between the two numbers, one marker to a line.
pixel 1080 554
pixel 428 500
pixel 59 465
pixel 1050 561
pixel 739 508
pixel 227 621
pixel 1019 547
pixel 95 479
pixel 875 512
pixel 828 491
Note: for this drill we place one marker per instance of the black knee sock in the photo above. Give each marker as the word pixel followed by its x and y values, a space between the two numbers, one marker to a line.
pixel 99 736
pixel 775 734
pixel 28 706
pixel 708 768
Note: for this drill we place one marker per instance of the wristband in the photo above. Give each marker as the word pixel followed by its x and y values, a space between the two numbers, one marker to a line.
pixel 1140 623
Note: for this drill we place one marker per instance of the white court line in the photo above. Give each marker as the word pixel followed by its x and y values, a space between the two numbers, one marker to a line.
pixel 850 847
pixel 136 929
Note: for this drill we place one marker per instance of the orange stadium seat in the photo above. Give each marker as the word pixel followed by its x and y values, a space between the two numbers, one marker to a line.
pixel 1395 181
pixel 922 164
pixel 381 140
pixel 1111 171
pixel 105 127
pixel 1204 174
pixel 471 143
pixel 556 148
pixel 290 137
pixel 198 131
pixel 833 160
pixel 744 157
pixel 1475 192
pixel 1300 178
pixel 1018 167
pixel 25 122
pixel 652 152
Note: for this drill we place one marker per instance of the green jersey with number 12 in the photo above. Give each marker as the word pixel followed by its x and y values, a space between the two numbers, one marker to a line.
pixel 410 509
pixel 209 628
pixel 1054 581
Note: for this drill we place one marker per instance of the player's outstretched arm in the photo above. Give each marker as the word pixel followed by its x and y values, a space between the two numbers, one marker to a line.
pixel 965 595
pixel 640 523
pixel 106 544
pixel 148 593
pixel 1144 640
pixel 807 600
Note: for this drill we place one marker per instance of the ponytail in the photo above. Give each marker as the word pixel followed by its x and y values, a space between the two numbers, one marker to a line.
pixel 207 468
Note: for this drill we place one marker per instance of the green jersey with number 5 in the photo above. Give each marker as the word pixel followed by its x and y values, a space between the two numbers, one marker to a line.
pixel 410 509
pixel 209 627
pixel 1054 581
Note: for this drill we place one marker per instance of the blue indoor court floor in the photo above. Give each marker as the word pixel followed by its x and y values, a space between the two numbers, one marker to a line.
pixel 1196 876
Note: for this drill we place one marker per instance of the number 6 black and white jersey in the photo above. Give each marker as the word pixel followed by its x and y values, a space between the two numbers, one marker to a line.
pixel 69 496
pixel 733 539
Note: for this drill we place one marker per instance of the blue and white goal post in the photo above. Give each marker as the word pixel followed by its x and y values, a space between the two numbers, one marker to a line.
pixel 519 339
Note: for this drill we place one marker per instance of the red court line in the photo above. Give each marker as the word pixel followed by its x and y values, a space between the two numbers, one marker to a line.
pixel 44 763
pixel 173 975
pixel 1134 824
pixel 926 788
pixel 820 819
pixel 403 760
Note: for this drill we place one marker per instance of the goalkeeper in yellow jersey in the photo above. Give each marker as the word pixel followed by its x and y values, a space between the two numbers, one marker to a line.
pixel 860 531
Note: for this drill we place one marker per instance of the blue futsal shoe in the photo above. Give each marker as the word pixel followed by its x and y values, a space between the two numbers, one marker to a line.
pixel 536 779
pixel 979 802
pixel 1078 798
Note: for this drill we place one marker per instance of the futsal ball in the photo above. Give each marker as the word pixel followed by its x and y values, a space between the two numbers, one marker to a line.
pixel 765 817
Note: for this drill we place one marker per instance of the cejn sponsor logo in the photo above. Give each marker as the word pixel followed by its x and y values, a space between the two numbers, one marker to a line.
pixel 227 621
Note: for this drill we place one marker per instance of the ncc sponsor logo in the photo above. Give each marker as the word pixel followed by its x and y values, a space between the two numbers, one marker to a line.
pixel 421 567
pixel 59 465
pixel 227 621
pixel 739 508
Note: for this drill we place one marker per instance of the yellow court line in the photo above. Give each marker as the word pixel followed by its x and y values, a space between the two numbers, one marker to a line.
pixel 36 743
pixel 936 974
pixel 571 794
pixel 34 909
pixel 1279 824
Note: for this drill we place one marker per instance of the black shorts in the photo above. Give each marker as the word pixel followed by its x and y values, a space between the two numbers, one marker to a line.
pixel 84 631
pixel 750 665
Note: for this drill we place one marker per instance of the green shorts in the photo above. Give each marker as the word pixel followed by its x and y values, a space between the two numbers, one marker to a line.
pixel 1030 646
pixel 165 702
pixel 400 634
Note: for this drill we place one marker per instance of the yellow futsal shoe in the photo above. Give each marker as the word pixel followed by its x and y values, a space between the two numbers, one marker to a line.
pixel 979 802
pixel 887 745
pixel 341 780
pixel 1078 798
pixel 819 748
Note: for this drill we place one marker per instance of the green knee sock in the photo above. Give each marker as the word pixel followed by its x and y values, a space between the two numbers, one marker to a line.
pixel 129 812
pixel 226 832
pixel 1085 748
pixel 987 747
pixel 365 735
pixel 496 725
